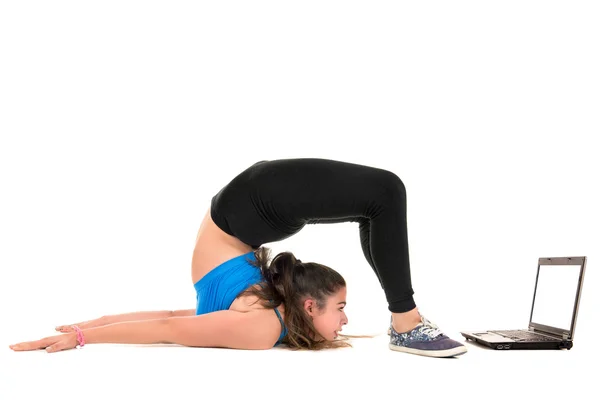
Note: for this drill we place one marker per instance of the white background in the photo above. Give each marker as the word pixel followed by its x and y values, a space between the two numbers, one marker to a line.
pixel 119 120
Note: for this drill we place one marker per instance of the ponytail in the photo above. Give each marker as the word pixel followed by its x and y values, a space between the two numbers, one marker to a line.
pixel 289 281
pixel 280 274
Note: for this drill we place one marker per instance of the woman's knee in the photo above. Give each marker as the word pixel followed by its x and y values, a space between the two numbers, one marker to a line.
pixel 393 187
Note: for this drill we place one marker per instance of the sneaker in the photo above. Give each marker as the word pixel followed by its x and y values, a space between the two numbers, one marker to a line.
pixel 425 339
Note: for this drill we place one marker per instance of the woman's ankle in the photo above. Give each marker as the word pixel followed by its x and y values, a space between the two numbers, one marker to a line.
pixel 406 321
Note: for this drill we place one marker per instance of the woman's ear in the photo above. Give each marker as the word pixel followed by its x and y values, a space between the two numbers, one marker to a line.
pixel 310 306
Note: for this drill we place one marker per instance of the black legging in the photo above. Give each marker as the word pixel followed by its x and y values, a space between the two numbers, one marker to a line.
pixel 273 200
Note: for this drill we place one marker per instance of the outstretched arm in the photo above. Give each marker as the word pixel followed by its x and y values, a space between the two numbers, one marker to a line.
pixel 142 315
pixel 144 331
pixel 253 330
pixel 133 316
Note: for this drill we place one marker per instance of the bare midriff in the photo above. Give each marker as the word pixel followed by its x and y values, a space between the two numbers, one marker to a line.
pixel 213 248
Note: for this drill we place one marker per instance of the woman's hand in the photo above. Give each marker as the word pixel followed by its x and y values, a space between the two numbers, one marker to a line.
pixel 51 344
pixel 84 325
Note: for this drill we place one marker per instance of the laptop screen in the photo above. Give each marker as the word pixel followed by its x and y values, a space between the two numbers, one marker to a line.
pixel 555 293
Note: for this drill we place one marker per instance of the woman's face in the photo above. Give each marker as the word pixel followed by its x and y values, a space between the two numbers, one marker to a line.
pixel 329 321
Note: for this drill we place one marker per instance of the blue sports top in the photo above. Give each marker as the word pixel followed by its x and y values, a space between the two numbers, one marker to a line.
pixel 219 288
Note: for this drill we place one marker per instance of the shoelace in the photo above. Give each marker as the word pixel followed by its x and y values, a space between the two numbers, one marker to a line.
pixel 429 328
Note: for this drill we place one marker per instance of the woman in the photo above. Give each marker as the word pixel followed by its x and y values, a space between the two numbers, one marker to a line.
pixel 246 302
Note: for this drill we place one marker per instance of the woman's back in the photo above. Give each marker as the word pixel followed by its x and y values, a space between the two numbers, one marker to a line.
pixel 215 247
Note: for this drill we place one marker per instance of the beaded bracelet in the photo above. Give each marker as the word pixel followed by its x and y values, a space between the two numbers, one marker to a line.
pixel 80 337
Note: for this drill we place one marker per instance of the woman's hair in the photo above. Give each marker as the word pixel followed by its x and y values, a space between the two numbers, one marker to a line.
pixel 290 281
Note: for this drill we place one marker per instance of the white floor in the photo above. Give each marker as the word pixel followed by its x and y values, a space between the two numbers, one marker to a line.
pixel 369 369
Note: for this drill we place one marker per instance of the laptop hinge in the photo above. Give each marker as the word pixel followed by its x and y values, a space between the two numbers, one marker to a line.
pixel 565 336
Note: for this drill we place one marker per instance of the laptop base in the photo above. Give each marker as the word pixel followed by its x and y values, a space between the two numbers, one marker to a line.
pixel 498 342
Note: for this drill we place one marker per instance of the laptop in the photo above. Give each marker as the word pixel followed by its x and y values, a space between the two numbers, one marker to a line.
pixel 553 314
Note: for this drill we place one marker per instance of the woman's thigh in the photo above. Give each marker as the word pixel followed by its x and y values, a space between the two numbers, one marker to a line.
pixel 273 200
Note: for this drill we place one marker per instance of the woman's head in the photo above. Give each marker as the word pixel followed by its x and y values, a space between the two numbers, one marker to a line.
pixel 314 297
pixel 328 319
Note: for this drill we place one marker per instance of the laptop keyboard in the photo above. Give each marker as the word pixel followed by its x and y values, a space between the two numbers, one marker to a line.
pixel 525 336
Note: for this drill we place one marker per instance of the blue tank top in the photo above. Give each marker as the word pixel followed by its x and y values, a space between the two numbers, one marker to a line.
pixel 219 288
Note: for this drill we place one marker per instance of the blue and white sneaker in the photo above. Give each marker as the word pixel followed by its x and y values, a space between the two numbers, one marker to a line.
pixel 425 339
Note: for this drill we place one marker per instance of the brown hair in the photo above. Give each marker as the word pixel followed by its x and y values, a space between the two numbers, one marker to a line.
pixel 290 281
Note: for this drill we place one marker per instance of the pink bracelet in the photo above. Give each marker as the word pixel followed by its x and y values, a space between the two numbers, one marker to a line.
pixel 80 337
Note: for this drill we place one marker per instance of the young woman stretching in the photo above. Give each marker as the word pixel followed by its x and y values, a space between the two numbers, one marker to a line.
pixel 246 302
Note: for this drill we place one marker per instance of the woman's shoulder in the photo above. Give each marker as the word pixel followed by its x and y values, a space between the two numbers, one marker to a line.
pixel 272 320
pixel 252 303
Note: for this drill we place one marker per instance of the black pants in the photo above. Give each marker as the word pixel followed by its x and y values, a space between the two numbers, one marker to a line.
pixel 273 200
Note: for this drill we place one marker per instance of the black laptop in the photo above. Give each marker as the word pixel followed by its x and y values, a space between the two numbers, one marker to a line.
pixel 553 313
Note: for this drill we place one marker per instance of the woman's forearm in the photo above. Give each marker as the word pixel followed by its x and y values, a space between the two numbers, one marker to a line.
pixel 135 316
pixel 133 332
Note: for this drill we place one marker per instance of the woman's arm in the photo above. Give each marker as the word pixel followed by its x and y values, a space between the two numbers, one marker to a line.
pixel 142 315
pixel 253 330
pixel 133 316
pixel 184 313
pixel 257 329
pixel 141 332
pixel 146 331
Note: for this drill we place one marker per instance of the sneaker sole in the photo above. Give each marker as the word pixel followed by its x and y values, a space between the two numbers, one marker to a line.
pixel 457 351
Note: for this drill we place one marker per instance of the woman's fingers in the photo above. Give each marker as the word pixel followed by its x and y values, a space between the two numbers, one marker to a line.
pixel 51 344
pixel 33 345
pixel 62 342
pixel 83 324
pixel 64 328
pixel 57 346
pixel 69 328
